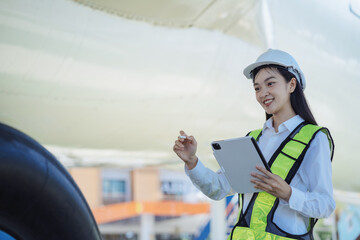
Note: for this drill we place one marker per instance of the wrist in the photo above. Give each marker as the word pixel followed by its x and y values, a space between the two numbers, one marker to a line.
pixel 287 199
pixel 192 162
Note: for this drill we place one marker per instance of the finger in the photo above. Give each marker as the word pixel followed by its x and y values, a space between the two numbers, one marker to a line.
pixel 182 133
pixel 177 148
pixel 192 139
pixel 273 184
pixel 262 186
pixel 263 170
pixel 181 138
pixel 257 185
pixel 179 144
pixel 260 177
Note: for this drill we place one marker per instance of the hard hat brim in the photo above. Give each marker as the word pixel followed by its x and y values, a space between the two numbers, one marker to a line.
pixel 247 71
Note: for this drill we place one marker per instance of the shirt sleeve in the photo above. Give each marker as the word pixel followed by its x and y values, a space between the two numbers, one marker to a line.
pixel 214 185
pixel 317 200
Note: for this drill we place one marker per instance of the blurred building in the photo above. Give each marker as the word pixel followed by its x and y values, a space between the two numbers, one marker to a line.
pixel 160 204
pixel 144 203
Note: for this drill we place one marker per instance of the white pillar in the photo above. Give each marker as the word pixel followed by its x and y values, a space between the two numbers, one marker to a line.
pixel 218 220
pixel 334 226
pixel 147 225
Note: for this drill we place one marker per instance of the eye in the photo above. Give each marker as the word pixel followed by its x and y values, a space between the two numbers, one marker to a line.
pixel 257 89
pixel 271 83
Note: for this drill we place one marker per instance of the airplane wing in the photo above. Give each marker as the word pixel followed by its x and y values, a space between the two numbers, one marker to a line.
pixel 114 81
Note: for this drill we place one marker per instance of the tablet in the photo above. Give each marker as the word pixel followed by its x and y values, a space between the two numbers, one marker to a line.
pixel 238 158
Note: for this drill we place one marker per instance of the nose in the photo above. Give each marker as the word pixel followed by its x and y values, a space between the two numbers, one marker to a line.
pixel 263 93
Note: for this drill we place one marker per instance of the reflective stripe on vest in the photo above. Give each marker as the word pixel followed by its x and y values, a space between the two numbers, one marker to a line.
pixel 293 150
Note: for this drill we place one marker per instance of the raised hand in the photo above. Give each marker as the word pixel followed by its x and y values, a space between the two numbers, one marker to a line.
pixel 185 147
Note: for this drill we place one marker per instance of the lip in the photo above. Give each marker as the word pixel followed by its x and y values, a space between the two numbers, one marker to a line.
pixel 268 101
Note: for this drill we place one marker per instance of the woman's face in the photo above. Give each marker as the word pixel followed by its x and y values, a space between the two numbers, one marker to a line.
pixel 273 92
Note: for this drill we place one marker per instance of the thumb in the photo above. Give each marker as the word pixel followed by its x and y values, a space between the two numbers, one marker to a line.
pixel 182 133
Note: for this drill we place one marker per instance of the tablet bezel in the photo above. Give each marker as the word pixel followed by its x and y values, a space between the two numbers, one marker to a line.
pixel 260 154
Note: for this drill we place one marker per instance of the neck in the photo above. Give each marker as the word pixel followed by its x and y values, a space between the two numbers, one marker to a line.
pixel 280 118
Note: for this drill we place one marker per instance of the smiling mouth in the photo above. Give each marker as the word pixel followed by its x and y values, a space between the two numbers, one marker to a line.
pixel 267 102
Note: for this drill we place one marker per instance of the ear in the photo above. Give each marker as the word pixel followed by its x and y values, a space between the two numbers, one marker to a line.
pixel 292 85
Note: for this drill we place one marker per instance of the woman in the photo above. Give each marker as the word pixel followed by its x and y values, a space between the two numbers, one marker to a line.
pixel 298 189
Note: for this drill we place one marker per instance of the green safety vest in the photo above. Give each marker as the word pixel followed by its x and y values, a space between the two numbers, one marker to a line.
pixel 256 222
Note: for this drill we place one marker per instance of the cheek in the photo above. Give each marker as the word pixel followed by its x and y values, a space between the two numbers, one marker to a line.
pixel 257 95
pixel 275 91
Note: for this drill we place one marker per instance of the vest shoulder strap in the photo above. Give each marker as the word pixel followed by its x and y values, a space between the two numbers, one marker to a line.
pixel 255 134
pixel 308 133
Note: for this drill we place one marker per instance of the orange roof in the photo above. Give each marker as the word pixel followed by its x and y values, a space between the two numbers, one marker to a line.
pixel 119 211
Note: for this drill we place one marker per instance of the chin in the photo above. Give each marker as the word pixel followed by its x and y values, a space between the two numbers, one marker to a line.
pixel 269 112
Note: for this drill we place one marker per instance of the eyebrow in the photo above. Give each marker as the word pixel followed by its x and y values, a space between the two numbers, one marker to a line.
pixel 267 79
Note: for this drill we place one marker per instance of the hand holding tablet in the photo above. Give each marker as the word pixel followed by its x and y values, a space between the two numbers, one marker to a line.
pixel 238 158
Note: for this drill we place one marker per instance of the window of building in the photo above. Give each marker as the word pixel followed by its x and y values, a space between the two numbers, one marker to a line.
pixel 172 190
pixel 114 190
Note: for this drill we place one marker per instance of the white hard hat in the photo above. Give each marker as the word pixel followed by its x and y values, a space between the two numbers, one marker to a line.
pixel 277 57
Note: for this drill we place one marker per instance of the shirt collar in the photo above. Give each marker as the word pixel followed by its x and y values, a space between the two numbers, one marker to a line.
pixel 289 124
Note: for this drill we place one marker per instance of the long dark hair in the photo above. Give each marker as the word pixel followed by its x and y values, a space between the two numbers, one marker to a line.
pixel 297 98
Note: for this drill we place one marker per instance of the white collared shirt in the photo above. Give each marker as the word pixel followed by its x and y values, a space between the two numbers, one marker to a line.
pixel 312 190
